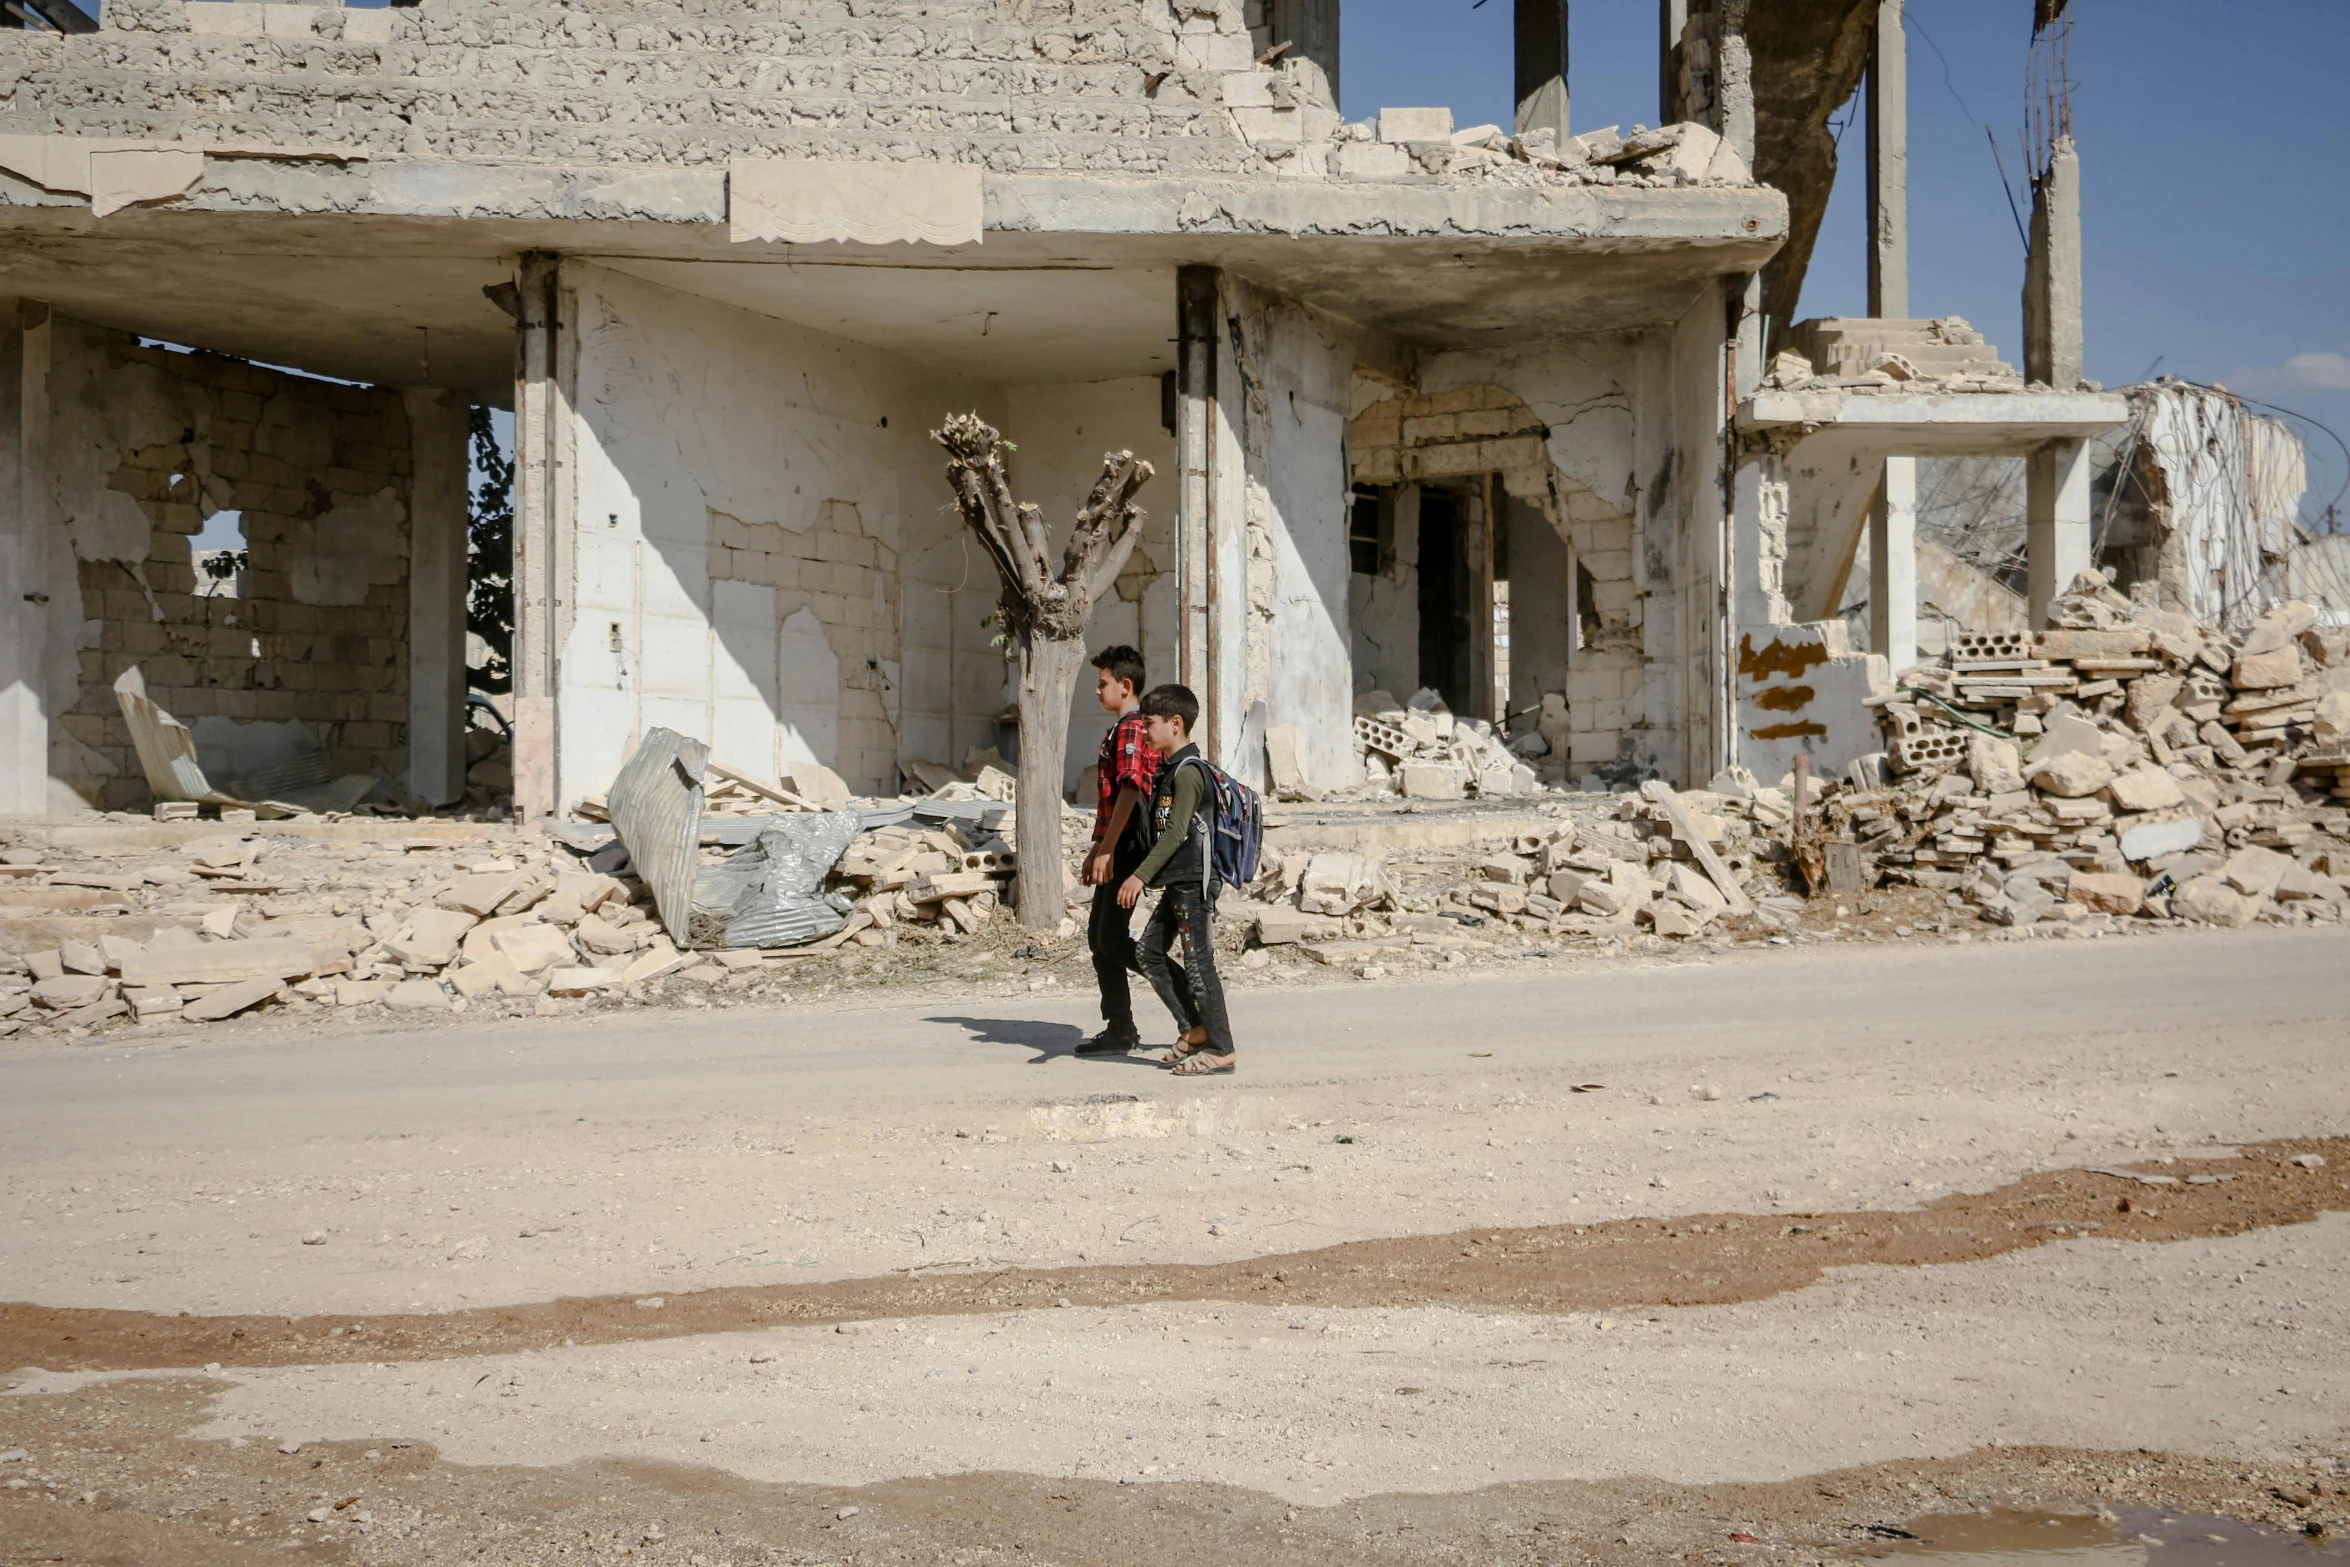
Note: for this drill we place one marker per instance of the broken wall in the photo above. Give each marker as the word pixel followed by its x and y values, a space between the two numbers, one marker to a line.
pixel 1801 687
pixel 140 446
pixel 1562 426
pixel 1162 86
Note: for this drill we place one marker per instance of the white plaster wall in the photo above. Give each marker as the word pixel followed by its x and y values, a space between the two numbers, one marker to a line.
pixel 684 408
pixel 1062 433
pixel 1309 376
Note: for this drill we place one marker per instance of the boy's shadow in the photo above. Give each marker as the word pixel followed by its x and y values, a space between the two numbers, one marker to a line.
pixel 1050 1041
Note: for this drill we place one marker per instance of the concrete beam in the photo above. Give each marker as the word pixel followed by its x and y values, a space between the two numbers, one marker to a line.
pixel 1931 424
pixel 2053 346
pixel 2056 518
pixel 437 516
pixel 1893 565
pixel 1541 54
pixel 1889 165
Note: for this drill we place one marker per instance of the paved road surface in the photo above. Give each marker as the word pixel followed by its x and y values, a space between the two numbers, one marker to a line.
pixel 383 1177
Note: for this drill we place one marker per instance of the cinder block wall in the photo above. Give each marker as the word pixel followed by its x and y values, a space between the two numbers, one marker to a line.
pixel 153 437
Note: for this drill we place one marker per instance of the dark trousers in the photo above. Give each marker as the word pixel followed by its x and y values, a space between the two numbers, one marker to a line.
pixel 1109 932
pixel 1193 992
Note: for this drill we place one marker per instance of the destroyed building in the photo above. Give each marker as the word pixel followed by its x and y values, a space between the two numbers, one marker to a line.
pixel 728 269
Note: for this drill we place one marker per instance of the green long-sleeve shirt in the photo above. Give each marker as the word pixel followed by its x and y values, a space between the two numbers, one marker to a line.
pixel 1175 803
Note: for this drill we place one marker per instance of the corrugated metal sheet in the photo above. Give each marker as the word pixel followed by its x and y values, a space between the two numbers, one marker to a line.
pixel 656 808
pixel 770 894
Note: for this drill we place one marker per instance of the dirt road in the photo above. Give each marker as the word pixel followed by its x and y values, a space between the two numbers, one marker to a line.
pixel 1614 1265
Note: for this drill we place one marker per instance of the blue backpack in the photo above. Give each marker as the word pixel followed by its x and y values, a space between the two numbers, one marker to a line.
pixel 1237 836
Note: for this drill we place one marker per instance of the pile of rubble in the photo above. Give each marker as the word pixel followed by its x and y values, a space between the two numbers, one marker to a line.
pixel 322 912
pixel 1402 142
pixel 1872 354
pixel 1419 750
pixel 1655 863
pixel 2125 762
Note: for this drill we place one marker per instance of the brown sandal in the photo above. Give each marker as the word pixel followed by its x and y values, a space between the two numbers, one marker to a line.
pixel 1197 1063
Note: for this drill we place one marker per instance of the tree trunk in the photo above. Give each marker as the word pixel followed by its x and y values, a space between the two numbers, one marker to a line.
pixel 1048 673
pixel 1044 611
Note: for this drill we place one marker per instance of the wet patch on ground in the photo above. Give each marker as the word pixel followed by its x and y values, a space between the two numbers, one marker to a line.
pixel 1697 1260
pixel 2116 1535
pixel 108 1478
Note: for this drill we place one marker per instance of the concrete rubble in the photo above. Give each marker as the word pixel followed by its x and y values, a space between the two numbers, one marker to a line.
pixel 1868 354
pixel 1587 867
pixel 212 919
pixel 2125 763
pixel 1419 750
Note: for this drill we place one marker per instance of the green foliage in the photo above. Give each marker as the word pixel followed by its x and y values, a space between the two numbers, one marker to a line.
pixel 489 549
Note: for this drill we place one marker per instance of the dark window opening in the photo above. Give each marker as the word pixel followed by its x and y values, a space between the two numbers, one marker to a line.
pixel 1586 607
pixel 1446 598
pixel 1366 537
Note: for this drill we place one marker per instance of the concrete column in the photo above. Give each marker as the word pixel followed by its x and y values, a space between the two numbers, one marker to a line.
pixel 1310 28
pixel 1477 538
pixel 438 510
pixel 1197 312
pixel 2053 350
pixel 1541 38
pixel 1672 20
pixel 1889 165
pixel 1734 78
pixel 1893 565
pixel 2056 478
pixel 537 410
pixel 2056 540
pixel 24 559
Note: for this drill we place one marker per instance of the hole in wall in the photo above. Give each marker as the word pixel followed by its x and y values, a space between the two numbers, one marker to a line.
pixel 217 553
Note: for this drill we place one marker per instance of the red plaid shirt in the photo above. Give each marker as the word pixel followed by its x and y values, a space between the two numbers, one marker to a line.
pixel 1126 758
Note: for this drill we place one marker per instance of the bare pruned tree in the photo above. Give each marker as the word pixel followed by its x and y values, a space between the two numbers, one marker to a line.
pixel 1044 615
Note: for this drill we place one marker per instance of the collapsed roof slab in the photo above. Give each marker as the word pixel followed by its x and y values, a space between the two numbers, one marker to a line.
pixel 1835 444
pixel 379 277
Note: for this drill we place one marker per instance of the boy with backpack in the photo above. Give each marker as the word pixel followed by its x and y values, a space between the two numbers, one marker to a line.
pixel 1193 809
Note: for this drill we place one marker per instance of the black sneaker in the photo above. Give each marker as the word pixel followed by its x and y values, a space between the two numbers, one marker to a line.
pixel 1111 1042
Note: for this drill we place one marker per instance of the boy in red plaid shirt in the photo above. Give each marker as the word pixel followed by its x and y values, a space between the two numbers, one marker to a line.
pixel 1127 767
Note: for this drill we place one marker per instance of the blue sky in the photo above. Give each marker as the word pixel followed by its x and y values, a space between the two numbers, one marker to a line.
pixel 2215 152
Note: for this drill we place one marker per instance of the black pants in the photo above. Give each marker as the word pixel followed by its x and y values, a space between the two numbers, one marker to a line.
pixel 1109 932
pixel 1193 992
